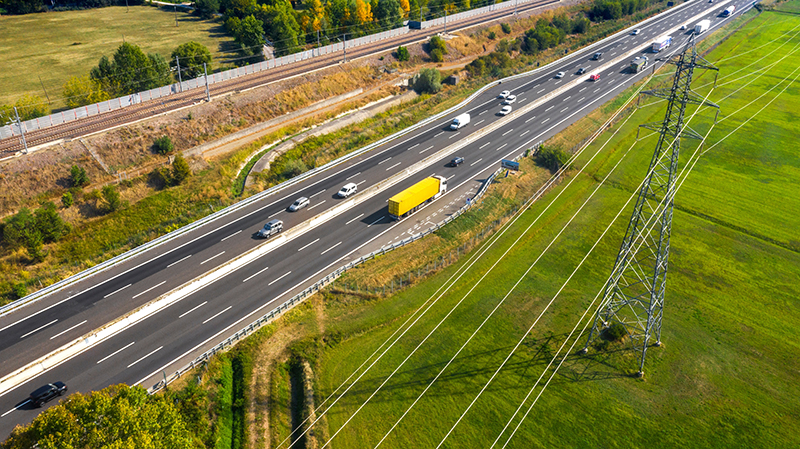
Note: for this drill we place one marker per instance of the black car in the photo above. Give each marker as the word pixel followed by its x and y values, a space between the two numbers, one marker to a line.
pixel 47 392
pixel 456 161
pixel 581 70
pixel 597 56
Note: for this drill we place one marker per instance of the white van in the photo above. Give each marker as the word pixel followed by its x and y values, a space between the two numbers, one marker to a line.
pixel 347 190
pixel 460 121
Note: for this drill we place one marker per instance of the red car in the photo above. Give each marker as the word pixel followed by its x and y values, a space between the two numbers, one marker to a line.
pixel 594 77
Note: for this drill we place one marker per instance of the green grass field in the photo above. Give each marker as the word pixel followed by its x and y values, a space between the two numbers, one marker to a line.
pixel 727 373
pixel 58 45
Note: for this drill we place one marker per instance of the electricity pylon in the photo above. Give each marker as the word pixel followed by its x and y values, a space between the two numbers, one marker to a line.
pixel 634 292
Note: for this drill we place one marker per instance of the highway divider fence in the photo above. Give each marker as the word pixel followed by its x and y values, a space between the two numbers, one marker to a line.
pixel 319 285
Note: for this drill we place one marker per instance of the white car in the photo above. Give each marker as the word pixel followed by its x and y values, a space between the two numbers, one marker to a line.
pixel 505 111
pixel 504 94
pixel 299 204
pixel 510 99
pixel 347 190
pixel 560 75
pixel 636 31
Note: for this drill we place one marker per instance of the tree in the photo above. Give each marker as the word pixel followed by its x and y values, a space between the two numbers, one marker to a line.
pixel 180 170
pixel 363 12
pixel 293 168
pixel 437 55
pixel 130 71
pixel 117 416
pixel 428 81
pixel 82 90
pixel 402 54
pixel 112 198
pixel 250 36
pixel 22 6
pixel 30 107
pixel 67 200
pixel 192 56
pixel 206 8
pixel 49 224
pixel 437 43
pixel 506 28
pixel 78 176
pixel 17 228
pixel 389 14
pixel 163 145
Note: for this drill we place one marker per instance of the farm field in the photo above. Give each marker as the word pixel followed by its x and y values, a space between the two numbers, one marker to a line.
pixel 726 374
pixel 58 45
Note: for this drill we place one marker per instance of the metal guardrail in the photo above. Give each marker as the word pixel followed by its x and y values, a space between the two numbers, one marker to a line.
pixel 317 286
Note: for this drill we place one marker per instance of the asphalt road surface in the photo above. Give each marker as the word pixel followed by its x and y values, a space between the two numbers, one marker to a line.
pixel 171 337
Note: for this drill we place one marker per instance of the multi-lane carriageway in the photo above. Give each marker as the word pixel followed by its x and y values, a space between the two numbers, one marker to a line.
pixel 169 338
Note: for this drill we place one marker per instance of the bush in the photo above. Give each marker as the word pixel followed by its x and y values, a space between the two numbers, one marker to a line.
pixel 437 43
pixel 180 170
pixel 163 145
pixel 437 55
pixel 49 224
pixel 551 158
pixel 111 198
pixel 615 332
pixel 402 54
pixel 160 178
pixel 18 291
pixel 506 27
pixel 492 35
pixel 428 81
pixel 67 200
pixel 293 168
pixel 78 176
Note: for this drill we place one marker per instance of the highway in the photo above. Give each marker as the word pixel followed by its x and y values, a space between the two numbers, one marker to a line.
pixel 169 338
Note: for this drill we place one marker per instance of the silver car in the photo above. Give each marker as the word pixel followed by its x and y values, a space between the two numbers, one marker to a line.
pixel 299 204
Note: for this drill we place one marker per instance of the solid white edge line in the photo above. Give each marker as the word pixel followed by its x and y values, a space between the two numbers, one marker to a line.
pixel 115 353
pixel 148 355
pixel 117 291
pixel 64 332
pixel 151 288
pixel 192 309
pixel 259 272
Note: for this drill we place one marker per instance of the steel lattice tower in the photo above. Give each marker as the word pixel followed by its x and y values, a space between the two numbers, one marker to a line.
pixel 634 292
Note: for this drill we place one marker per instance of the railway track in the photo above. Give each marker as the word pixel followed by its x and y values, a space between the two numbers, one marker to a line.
pixel 13 145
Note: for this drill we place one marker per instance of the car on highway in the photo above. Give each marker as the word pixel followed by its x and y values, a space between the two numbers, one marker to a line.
pixel 510 99
pixel 299 204
pixel 683 27
pixel 504 94
pixel 456 161
pixel 581 71
pixel 594 77
pixel 505 111
pixel 347 190
pixel 559 75
pixel 46 393
pixel 271 228
pixel 597 56
pixel 636 31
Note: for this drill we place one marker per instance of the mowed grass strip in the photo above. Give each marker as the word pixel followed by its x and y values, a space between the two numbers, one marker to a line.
pixel 726 375
pixel 58 45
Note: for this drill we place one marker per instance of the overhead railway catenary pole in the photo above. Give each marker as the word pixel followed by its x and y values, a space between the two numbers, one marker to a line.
pixel 634 293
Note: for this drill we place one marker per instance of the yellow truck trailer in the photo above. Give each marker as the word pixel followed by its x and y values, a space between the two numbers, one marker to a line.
pixel 409 200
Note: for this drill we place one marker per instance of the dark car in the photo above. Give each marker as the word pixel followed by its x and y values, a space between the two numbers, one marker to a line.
pixel 456 161
pixel 597 56
pixel 581 70
pixel 47 392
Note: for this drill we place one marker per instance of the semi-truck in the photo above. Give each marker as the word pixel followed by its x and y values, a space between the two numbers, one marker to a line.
pixel 661 43
pixel 728 11
pixel 460 121
pixel 409 200
pixel 702 26
pixel 638 64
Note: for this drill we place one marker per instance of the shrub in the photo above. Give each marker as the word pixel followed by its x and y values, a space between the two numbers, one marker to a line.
pixel 160 178
pixel 551 158
pixel 19 290
pixel 437 55
pixel 402 54
pixel 112 198
pixel 492 35
pixel 180 170
pixel 428 81
pixel 67 200
pixel 293 168
pixel 163 145
pixel 49 224
pixel 615 332
pixel 437 43
pixel 506 27
pixel 78 176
